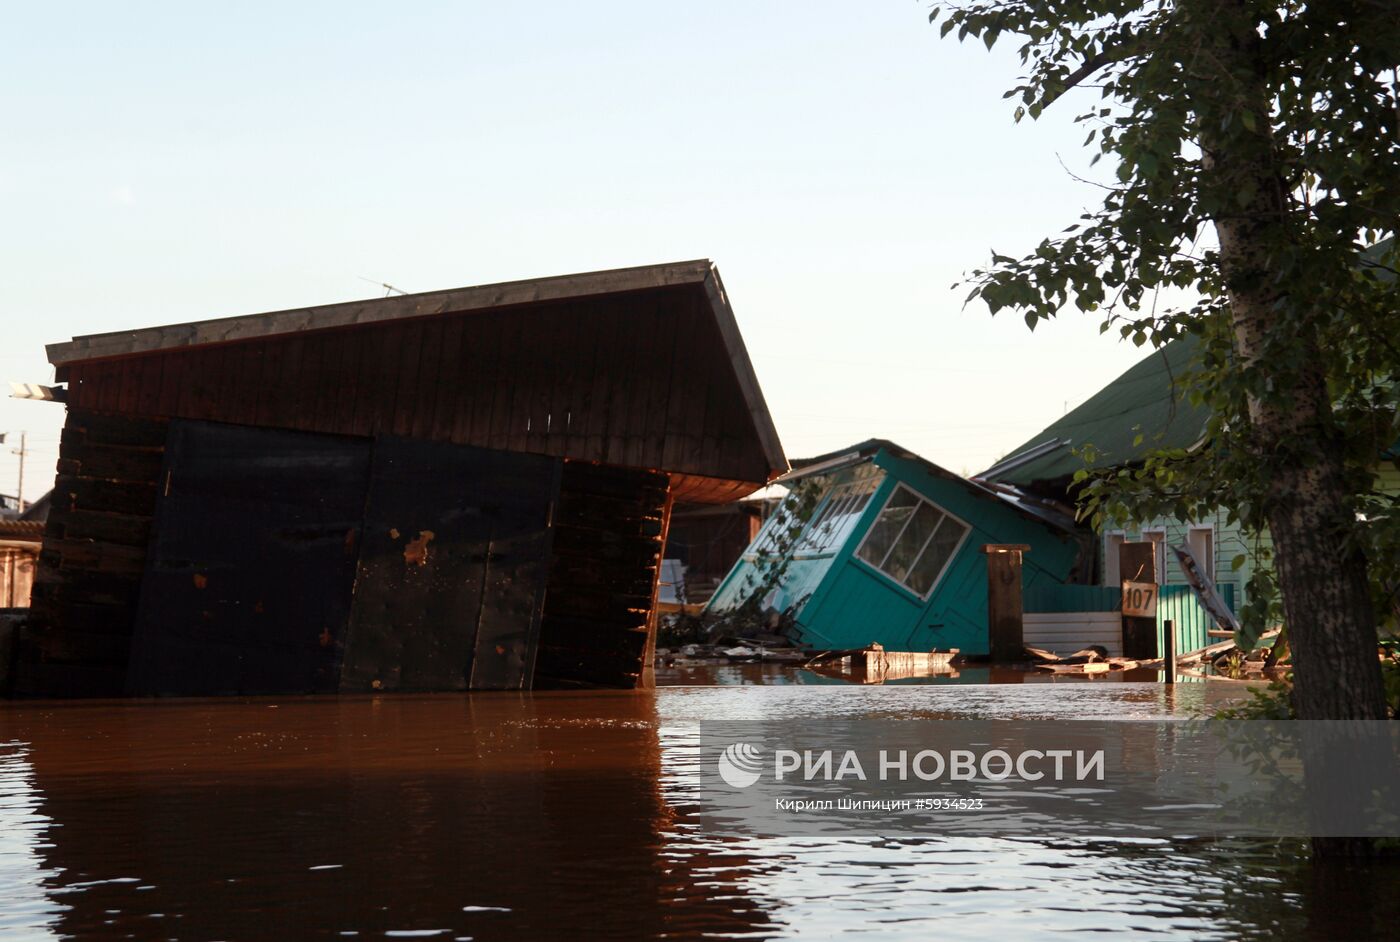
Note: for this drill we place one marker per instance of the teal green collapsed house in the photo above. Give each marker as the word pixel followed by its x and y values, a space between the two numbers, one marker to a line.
pixel 892 553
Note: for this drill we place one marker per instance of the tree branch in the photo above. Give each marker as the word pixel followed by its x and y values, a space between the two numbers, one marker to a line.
pixel 1089 67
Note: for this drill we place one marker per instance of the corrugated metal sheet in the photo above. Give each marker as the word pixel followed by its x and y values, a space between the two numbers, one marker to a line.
pixel 1149 399
pixel 1178 603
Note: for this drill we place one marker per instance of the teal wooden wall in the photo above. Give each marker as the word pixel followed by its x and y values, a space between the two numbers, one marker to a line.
pixel 1049 597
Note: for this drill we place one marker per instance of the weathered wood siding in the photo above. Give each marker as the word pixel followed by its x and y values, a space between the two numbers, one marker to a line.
pixel 609 531
pixel 639 380
pixel 89 574
pixel 247 583
pixel 243 619
pixel 709 541
pixel 1067 632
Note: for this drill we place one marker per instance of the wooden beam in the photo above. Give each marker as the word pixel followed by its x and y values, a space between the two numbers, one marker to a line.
pixel 375 310
pixel 1005 628
pixel 744 373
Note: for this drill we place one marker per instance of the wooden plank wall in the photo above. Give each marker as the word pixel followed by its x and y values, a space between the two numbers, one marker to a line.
pixel 709 541
pixel 89 572
pixel 1067 632
pixel 639 380
pixel 609 530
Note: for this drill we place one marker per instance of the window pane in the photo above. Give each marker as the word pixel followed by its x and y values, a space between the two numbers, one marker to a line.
pixel 767 538
pixel 939 550
pixel 906 548
pixel 812 535
pixel 821 532
pixel 1113 546
pixel 837 518
pixel 887 526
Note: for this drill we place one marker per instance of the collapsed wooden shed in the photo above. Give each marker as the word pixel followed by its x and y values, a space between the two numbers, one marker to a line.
pixel 463 489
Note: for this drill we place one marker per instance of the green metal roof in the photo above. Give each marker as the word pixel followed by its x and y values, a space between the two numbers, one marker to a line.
pixel 1149 399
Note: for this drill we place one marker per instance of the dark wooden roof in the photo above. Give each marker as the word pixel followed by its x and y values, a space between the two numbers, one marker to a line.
pixel 642 367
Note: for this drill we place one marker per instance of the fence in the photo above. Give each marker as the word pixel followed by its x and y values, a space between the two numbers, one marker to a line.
pixel 1053 612
pixel 1179 605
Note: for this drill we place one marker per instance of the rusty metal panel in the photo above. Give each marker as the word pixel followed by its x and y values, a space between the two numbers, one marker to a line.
pixel 452 571
pixel 248 580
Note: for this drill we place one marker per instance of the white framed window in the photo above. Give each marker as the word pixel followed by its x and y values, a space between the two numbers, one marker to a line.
pixel 833 518
pixel 912 541
pixel 1112 545
pixel 836 517
pixel 1157 536
pixel 1200 539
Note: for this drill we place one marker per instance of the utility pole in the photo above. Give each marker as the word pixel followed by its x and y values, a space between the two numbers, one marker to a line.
pixel 21 451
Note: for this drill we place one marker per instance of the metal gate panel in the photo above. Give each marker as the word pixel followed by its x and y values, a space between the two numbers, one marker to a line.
pixel 248 580
pixel 452 571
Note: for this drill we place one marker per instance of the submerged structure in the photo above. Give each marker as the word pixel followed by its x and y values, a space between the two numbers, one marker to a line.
pixel 890 549
pixel 463 489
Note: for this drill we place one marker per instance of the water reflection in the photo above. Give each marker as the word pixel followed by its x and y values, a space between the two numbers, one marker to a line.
pixel 565 816
pixel 25 905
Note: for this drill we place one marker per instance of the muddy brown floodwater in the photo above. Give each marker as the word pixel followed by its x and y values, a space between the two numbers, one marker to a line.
pixel 563 815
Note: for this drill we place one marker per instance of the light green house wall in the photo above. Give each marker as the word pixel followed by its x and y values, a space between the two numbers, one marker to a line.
pixel 1230 540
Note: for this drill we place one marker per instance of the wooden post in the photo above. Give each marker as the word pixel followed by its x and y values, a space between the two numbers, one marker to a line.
pixel 1004 628
pixel 646 680
pixel 1169 654
pixel 1137 562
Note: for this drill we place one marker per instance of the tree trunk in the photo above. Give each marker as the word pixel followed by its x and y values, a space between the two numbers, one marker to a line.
pixel 1322 574
pixel 1326 592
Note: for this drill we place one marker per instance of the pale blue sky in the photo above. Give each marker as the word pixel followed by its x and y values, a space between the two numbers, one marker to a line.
pixel 163 162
